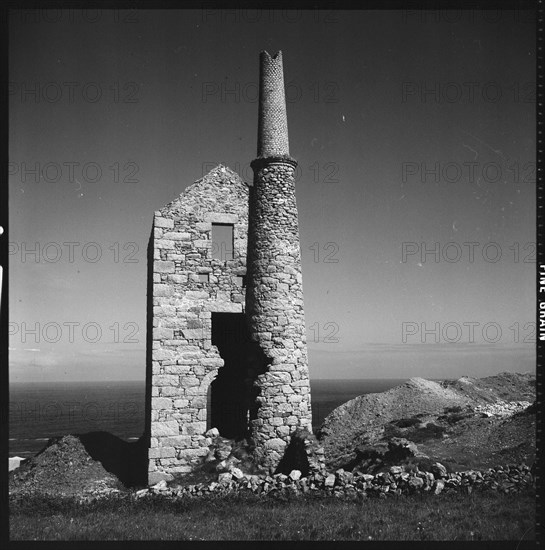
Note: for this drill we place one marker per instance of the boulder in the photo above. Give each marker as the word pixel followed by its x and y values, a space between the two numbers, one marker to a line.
pixel 223 448
pixel 161 486
pixel 416 482
pixel 439 470
pixel 225 477
pixel 295 475
pixel 330 480
pixel 210 457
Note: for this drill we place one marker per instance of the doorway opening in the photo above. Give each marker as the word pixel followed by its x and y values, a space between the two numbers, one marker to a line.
pixel 230 392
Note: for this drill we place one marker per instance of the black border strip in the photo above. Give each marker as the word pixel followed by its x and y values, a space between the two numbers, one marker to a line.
pixel 540 265
pixel 538 5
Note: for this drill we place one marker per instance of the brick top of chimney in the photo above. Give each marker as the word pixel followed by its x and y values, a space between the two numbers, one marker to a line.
pixel 272 138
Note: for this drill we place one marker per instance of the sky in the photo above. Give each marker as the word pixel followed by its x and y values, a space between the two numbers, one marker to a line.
pixel 415 137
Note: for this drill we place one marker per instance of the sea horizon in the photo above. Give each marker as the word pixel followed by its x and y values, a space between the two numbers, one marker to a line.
pixel 41 410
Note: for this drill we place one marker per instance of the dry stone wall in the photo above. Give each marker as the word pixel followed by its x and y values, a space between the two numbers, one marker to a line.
pixel 357 485
pixel 188 285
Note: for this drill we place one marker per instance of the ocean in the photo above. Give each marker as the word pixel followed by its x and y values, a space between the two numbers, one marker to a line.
pixel 40 411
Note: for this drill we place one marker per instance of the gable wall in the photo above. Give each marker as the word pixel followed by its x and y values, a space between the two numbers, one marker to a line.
pixel 184 361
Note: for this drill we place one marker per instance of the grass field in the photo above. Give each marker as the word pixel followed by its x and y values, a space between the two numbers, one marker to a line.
pixel 478 516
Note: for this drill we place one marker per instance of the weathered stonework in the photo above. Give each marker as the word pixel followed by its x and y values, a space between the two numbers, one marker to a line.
pixel 274 302
pixel 224 355
pixel 184 360
pixel 274 298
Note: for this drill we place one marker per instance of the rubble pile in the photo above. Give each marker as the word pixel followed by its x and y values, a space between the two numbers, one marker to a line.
pixel 503 409
pixel 304 454
pixel 63 467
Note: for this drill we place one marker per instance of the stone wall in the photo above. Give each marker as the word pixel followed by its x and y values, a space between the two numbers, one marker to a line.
pixel 184 360
pixel 357 485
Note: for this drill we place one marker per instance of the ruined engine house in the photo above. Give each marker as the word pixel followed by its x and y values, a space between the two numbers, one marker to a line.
pixel 226 327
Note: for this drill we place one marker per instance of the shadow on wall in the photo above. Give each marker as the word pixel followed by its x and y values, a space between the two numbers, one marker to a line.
pixel 127 461
pixel 146 437
pixel 233 394
pixel 229 402
pixel 295 456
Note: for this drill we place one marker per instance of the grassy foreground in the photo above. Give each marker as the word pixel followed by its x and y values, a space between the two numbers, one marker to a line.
pixel 478 516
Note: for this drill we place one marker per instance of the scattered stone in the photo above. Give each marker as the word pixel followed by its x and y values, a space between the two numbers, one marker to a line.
pixel 416 482
pixel 212 432
pixel 295 475
pixel 502 409
pixel 344 477
pixel 225 477
pixel 223 448
pixel 330 480
pixel 161 486
pixel 439 470
pixel 438 486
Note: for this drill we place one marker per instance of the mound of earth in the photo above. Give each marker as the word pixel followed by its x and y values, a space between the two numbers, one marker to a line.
pixel 467 423
pixel 63 467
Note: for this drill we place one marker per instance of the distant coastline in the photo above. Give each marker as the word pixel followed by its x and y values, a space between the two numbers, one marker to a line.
pixel 41 410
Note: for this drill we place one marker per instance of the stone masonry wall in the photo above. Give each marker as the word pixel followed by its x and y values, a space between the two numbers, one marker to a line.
pixel 184 361
pixel 274 304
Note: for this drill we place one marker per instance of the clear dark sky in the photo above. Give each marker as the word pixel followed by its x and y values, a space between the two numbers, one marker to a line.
pixel 178 96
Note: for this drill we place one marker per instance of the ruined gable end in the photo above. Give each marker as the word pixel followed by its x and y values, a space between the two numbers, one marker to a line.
pixel 199 265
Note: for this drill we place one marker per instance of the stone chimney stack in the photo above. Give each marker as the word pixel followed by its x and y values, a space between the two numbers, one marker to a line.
pixel 272 137
pixel 274 293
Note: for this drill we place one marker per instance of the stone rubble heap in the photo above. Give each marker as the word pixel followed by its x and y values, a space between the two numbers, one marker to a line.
pixel 63 467
pixel 502 409
pixel 227 455
pixel 342 484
